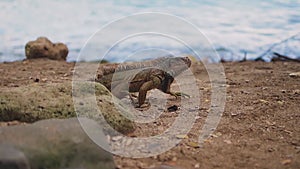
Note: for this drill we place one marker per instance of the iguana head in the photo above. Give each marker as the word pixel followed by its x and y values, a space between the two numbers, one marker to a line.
pixel 178 61
pixel 175 65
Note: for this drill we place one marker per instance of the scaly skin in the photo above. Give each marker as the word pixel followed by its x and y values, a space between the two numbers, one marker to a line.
pixel 143 76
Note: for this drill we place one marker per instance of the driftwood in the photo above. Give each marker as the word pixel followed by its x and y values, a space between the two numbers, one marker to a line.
pixel 280 57
pixel 277 56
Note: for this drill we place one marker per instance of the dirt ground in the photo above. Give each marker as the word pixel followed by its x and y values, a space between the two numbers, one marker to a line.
pixel 259 127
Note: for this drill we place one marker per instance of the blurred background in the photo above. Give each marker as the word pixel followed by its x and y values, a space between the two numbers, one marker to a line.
pixel 236 29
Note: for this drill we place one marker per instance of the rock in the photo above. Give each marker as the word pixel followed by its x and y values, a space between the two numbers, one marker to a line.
pixel 11 158
pixel 44 48
pixel 297 91
pixel 227 141
pixel 286 162
pixel 181 136
pixel 54 100
pixel 55 144
pixel 193 144
pixel 295 74
pixel 172 108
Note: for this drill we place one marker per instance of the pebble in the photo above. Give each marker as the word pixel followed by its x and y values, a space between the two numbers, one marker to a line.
pixel 235 113
pixel 286 162
pixel 295 74
pixel 271 149
pixel 128 142
pixel 12 123
pixel 263 101
pixel 174 159
pixel 297 91
pixel 116 138
pixel 193 144
pixel 280 102
pixel 218 134
pixel 227 142
pixel 198 117
pixel 172 108
pixel 44 79
pixel 181 136
pixel 283 91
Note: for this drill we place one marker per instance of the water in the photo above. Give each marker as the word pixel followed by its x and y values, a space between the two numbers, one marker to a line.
pixel 235 28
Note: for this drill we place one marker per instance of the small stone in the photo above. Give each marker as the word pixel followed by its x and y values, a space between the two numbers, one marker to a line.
pixel 182 136
pixel 227 142
pixel 128 142
pixel 116 138
pixel 12 123
pixel 264 101
pixel 271 149
pixel 197 165
pixel 235 113
pixel 245 92
pixel 36 80
pixel 44 79
pixel 172 108
pixel 198 117
pixel 286 162
pixel 174 159
pixel 219 134
pixel 270 123
pixel 295 74
pixel 280 102
pixel 193 144
pixel 297 91
pixel 283 91
pixel 213 135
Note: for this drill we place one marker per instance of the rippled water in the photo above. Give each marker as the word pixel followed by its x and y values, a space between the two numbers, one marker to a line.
pixel 235 28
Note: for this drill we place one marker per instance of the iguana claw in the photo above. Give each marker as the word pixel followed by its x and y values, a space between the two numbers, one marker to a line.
pixel 177 94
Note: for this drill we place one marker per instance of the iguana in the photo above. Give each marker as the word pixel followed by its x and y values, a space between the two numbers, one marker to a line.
pixel 142 76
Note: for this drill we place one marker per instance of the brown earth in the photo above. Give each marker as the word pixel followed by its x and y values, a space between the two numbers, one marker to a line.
pixel 259 128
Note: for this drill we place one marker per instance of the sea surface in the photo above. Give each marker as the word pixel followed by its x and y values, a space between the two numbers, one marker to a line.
pixel 236 29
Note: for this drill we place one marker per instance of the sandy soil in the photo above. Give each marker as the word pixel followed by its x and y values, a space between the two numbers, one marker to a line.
pixel 259 128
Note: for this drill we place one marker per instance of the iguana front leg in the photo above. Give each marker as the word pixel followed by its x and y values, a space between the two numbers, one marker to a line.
pixel 166 87
pixel 149 85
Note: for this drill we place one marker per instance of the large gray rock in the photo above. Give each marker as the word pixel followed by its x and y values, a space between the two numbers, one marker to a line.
pixel 55 100
pixel 12 158
pixel 53 144
pixel 44 48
